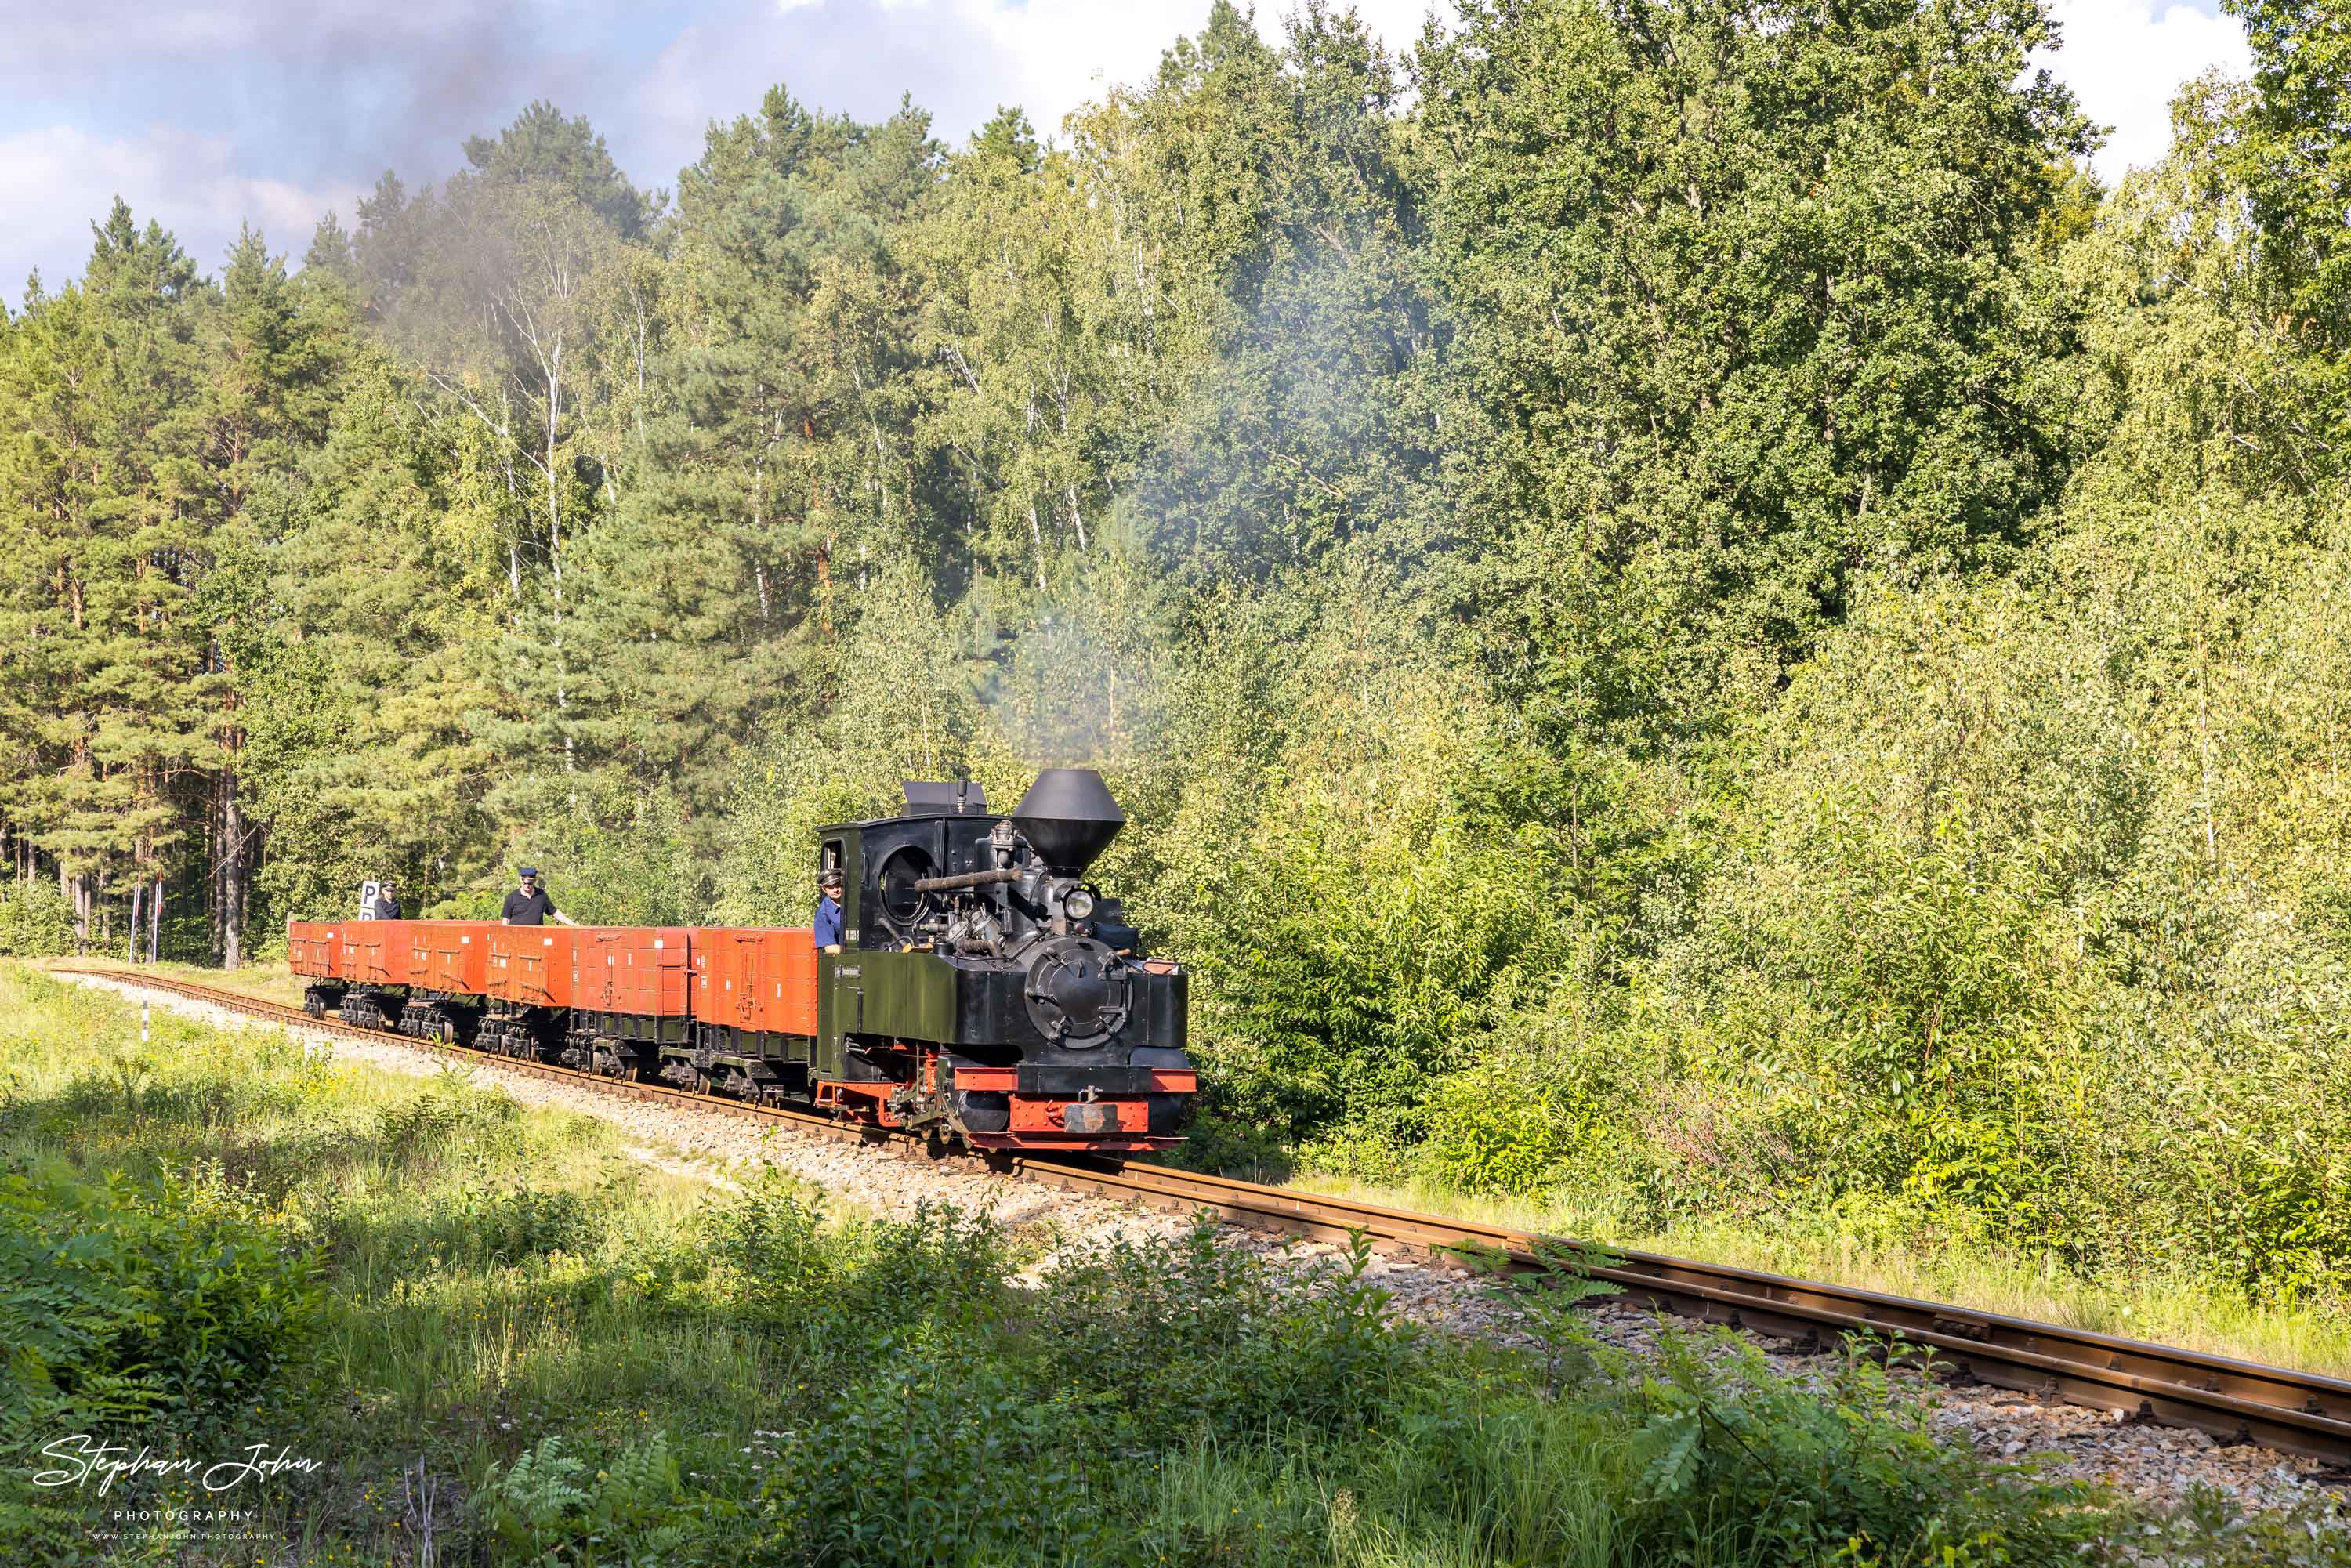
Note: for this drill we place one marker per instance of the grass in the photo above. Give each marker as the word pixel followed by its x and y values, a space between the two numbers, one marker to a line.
pixel 1906 1261
pixel 472 1246
pixel 491 1326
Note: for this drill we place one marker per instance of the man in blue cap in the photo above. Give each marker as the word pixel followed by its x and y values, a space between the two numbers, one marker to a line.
pixel 826 928
pixel 530 905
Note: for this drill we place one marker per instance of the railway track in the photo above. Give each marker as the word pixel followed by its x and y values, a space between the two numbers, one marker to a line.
pixel 2236 1401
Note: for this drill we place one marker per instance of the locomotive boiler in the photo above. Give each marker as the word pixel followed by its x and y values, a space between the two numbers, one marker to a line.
pixel 984 989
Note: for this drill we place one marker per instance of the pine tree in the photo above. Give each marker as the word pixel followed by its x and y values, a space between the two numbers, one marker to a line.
pixel 273 352
pixel 775 466
pixel 113 521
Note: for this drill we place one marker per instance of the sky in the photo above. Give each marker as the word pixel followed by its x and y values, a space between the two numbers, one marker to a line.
pixel 207 114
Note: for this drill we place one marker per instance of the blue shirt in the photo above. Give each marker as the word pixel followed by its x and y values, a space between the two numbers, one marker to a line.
pixel 827 923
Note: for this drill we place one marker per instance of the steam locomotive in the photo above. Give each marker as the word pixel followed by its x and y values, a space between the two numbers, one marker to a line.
pixel 984 991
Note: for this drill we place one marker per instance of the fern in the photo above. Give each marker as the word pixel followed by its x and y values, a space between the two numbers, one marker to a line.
pixel 530 1504
pixel 546 1505
pixel 1675 1465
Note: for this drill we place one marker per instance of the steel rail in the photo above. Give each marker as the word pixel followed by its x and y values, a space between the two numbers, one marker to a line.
pixel 2237 1401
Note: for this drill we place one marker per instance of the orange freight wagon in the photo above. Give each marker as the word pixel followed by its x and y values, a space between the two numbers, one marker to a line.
pixel 374 952
pixel 312 946
pixel 628 997
pixel 530 964
pixel 754 1001
pixel 760 979
pixel 450 957
pixel 636 969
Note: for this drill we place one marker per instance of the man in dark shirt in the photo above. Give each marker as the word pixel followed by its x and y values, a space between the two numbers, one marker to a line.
pixel 826 928
pixel 387 902
pixel 530 905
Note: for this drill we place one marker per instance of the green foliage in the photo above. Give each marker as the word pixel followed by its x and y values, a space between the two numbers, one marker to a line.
pixel 1503 1127
pixel 1544 1297
pixel 1229 1356
pixel 622 855
pixel 36 921
pixel 497 1228
pixel 697 1376
pixel 931 1459
pixel 175 1304
pixel 546 1508
pixel 1840 1470
pixel 443 1118
pixel 1737 317
pixel 1353 881
pixel 904 707
pixel 1029 1421
pixel 2292 153
pixel 922 1280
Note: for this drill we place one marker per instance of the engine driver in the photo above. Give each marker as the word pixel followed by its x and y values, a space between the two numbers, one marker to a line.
pixel 387 901
pixel 826 928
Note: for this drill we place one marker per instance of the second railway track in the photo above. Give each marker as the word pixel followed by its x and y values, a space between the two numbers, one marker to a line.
pixel 2236 1401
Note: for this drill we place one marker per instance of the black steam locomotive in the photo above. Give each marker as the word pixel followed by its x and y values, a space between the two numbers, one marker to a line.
pixel 983 983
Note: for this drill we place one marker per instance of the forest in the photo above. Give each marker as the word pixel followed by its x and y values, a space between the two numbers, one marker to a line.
pixel 1687 612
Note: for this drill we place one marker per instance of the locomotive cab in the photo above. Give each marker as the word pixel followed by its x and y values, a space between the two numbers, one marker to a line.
pixel 985 984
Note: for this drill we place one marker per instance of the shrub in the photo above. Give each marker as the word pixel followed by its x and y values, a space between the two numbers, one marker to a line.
pixel 448 1110
pixel 1006 1440
pixel 941 1456
pixel 1505 1127
pixel 509 1228
pixel 35 920
pixel 934 1274
pixel 479 1229
pixel 177 1302
pixel 1198 1333
pixel 1841 1468
pixel 1358 853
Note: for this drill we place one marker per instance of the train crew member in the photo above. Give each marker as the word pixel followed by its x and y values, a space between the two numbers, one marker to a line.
pixel 530 905
pixel 387 901
pixel 826 925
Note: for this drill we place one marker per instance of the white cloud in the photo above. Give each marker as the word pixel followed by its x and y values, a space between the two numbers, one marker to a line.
pixel 1065 52
pixel 47 40
pixel 329 93
pixel 2126 60
pixel 960 58
pixel 2123 58
pixel 54 180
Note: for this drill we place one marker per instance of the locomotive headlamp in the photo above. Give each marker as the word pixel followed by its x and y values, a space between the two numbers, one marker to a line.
pixel 1077 903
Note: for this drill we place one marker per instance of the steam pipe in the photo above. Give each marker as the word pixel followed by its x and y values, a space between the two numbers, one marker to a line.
pixel 969 879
